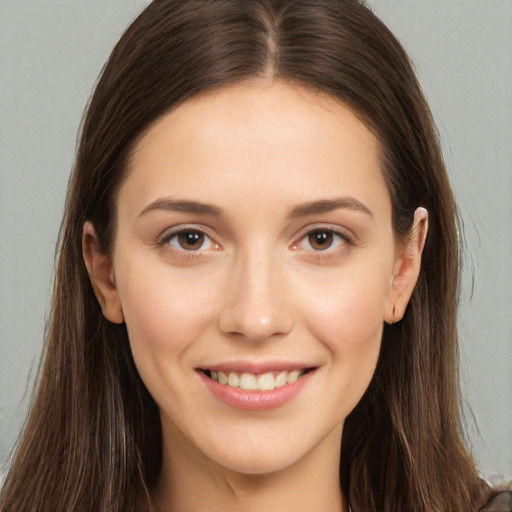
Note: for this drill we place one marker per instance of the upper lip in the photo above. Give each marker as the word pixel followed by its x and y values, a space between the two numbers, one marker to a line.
pixel 256 366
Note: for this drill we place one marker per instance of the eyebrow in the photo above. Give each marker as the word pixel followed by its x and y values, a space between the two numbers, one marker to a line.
pixel 327 205
pixel 301 210
pixel 179 205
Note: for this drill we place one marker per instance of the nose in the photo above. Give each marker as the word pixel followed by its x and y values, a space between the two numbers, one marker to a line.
pixel 255 304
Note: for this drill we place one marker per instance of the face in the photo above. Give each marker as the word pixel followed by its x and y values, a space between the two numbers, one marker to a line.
pixel 254 245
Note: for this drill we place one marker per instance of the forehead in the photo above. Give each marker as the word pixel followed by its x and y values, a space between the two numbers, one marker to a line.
pixel 262 141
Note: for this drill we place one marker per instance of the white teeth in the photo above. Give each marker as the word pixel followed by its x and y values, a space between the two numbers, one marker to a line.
pixel 262 382
pixel 248 382
pixel 266 381
pixel 280 380
pixel 293 376
pixel 233 380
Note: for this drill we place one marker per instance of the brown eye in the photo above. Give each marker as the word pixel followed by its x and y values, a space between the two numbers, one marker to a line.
pixel 190 241
pixel 321 240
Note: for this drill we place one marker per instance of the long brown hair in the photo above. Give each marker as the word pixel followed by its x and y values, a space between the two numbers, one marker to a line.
pixel 92 439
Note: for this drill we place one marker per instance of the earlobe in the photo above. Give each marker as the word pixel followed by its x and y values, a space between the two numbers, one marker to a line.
pixel 407 268
pixel 101 273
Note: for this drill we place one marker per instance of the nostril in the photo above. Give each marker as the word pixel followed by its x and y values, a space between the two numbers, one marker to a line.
pixel 254 328
pixel 256 310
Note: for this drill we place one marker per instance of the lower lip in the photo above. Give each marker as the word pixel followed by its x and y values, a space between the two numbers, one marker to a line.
pixel 256 400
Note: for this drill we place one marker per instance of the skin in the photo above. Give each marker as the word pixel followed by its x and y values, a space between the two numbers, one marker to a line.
pixel 257 287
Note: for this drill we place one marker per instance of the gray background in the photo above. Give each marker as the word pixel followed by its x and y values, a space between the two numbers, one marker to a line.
pixel 50 55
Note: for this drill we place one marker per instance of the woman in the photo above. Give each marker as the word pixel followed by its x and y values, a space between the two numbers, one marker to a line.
pixel 255 296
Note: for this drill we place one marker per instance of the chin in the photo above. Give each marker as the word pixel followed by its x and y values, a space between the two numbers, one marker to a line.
pixel 257 463
pixel 267 454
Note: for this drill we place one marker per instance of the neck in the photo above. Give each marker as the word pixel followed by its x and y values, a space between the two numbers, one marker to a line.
pixel 191 482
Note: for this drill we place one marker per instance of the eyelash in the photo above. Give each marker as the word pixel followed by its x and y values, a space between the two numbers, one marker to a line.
pixel 340 239
pixel 343 239
pixel 167 237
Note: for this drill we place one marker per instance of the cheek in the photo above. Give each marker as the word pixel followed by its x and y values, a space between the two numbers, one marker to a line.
pixel 349 310
pixel 347 317
pixel 164 311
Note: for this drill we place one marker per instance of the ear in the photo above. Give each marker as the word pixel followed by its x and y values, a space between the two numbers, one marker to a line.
pixel 101 273
pixel 406 268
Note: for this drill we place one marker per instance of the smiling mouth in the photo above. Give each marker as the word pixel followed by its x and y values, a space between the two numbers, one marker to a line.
pixel 257 382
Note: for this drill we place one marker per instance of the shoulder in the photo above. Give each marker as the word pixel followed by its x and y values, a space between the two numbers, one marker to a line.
pixel 499 500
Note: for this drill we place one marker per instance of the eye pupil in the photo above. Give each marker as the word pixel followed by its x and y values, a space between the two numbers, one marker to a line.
pixel 321 240
pixel 191 240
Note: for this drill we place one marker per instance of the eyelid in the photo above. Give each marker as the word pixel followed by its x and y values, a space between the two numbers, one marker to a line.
pixel 173 231
pixel 347 240
pixel 335 229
